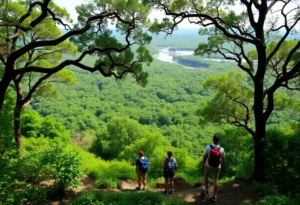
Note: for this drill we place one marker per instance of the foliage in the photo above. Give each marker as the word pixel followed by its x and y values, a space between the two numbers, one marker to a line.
pixel 32 44
pixel 6 125
pixel 88 107
pixel 239 152
pixel 279 199
pixel 265 189
pixel 42 160
pixel 36 126
pixel 283 159
pixel 145 198
pixel 232 102
pixel 120 133
pixel 258 24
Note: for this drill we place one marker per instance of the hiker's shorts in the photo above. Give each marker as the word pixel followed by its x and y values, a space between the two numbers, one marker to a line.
pixel 168 174
pixel 212 171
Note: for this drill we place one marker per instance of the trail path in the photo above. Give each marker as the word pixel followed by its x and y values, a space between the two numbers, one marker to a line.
pixel 230 193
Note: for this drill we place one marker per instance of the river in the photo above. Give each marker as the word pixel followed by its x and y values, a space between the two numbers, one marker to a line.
pixel 167 56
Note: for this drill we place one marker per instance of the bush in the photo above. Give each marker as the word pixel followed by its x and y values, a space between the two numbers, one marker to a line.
pixel 283 161
pixel 117 198
pixel 279 200
pixel 106 173
pixel 264 189
pixel 238 147
pixel 20 178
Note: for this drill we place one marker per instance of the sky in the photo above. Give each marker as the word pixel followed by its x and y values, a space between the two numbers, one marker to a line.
pixel 71 4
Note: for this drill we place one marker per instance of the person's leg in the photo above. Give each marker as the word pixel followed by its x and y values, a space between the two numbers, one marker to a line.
pixel 166 183
pixel 139 179
pixel 205 180
pixel 216 180
pixel 144 180
pixel 172 183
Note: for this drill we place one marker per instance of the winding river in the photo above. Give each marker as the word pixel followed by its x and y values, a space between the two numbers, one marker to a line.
pixel 167 56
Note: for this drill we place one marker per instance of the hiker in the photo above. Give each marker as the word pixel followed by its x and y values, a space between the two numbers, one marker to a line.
pixel 141 168
pixel 213 159
pixel 169 165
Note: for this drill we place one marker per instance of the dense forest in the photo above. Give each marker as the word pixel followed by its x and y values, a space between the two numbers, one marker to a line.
pixel 81 103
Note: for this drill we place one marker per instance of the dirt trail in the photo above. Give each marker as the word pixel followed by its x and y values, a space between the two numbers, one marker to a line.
pixel 231 193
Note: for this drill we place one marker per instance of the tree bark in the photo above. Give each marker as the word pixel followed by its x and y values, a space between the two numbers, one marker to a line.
pixel 17 114
pixel 4 83
pixel 17 126
pixel 259 172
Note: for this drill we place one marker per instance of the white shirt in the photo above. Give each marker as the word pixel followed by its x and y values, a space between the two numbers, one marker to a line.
pixel 208 149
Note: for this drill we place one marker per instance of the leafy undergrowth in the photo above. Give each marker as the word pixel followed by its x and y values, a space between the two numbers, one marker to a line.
pixel 125 198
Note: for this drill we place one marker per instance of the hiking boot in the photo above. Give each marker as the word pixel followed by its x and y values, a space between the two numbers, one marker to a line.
pixel 144 189
pixel 137 188
pixel 214 199
pixel 165 192
pixel 203 194
pixel 171 191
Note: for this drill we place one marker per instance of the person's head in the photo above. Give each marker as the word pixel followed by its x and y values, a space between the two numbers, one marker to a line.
pixel 169 153
pixel 141 153
pixel 216 139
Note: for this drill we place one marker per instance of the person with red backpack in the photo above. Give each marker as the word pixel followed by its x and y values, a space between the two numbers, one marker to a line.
pixel 141 168
pixel 213 159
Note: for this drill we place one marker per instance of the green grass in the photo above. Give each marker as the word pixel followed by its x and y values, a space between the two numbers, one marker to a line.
pixel 125 198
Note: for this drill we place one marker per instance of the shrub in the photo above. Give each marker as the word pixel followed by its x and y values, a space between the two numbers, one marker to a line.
pixel 282 154
pixel 279 200
pixel 264 189
pixel 118 198
pixel 20 178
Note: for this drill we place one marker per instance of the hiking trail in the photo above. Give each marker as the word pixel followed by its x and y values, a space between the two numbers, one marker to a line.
pixel 230 193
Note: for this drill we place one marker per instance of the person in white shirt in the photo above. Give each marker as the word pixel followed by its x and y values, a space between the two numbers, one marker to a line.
pixel 213 160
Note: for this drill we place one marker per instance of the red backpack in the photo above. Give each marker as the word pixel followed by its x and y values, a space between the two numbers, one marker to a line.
pixel 214 157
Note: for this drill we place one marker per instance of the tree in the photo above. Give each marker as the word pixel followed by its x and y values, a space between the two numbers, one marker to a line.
pixel 264 26
pixel 41 91
pixel 25 33
pixel 120 132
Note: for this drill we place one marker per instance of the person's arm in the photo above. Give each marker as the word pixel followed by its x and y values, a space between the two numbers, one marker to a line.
pixel 136 166
pixel 164 164
pixel 204 161
pixel 175 164
pixel 205 156
pixel 223 158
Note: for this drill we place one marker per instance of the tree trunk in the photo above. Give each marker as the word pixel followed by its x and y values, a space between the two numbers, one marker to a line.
pixel 259 173
pixel 17 114
pixel 17 126
pixel 4 83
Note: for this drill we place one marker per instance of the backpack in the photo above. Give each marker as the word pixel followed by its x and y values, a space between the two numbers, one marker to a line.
pixel 170 165
pixel 214 157
pixel 144 163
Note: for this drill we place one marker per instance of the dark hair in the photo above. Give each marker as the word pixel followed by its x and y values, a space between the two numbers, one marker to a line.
pixel 169 153
pixel 216 139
